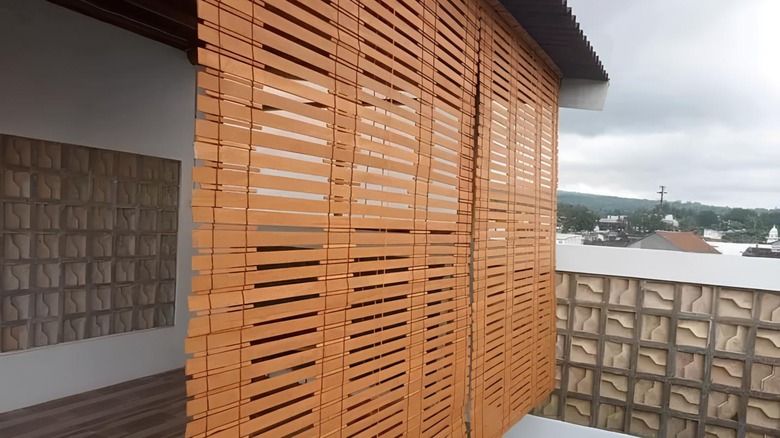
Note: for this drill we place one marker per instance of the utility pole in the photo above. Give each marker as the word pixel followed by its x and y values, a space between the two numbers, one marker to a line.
pixel 662 192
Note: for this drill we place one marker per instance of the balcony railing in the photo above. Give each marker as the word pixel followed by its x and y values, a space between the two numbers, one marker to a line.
pixel 667 344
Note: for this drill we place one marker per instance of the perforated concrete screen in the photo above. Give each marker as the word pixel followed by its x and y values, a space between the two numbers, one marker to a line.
pixel 88 242
pixel 663 359
pixel 374 199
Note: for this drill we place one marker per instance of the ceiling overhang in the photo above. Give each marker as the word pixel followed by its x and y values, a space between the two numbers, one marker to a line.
pixel 171 22
pixel 551 24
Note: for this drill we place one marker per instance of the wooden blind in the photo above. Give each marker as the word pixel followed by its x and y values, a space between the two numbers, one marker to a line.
pixel 345 251
pixel 513 315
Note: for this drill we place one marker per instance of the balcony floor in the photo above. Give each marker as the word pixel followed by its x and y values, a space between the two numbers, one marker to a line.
pixel 153 406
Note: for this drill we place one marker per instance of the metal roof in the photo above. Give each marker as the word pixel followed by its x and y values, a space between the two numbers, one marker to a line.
pixel 687 241
pixel 554 27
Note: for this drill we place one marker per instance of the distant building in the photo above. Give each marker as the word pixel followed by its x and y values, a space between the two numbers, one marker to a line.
pixel 613 223
pixel 675 241
pixel 733 248
pixel 766 251
pixel 772 237
pixel 568 239
pixel 709 234
pixel 670 220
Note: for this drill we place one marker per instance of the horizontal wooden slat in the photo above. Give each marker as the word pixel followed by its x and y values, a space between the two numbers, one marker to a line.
pixel 345 254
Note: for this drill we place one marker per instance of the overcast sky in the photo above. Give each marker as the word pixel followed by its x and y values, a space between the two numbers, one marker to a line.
pixel 693 104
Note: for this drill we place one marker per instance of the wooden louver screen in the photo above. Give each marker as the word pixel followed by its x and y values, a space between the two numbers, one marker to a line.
pixel 374 195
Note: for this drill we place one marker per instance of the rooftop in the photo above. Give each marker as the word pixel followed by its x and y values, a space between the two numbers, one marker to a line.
pixel 688 241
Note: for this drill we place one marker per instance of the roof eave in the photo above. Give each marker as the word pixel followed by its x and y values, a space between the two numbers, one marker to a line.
pixel 553 27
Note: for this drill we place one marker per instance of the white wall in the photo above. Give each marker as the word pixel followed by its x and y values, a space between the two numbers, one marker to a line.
pixel 69 78
pixel 683 267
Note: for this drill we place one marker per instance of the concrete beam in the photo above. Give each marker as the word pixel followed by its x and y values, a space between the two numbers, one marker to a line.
pixel 583 94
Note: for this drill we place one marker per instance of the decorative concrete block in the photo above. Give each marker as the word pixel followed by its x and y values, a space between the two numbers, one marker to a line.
pixel 14 337
pixel 689 366
pixel 623 291
pixel 17 246
pixel 75 217
pixel 580 381
pixel 562 317
pixel 17 152
pixel 45 333
pixel 562 285
pixel 735 304
pixel 617 355
pixel 75 246
pixel 655 328
pixel 768 343
pixel 75 189
pixel 48 217
pixel 74 329
pixel 16 184
pixel 610 417
pixel 586 319
pixel 550 407
pixel 50 186
pixel 614 386
pixel 648 392
pixel 47 246
pixel 696 299
pixel 681 428
pixel 770 307
pixel 560 346
pixel 763 413
pixel 723 406
pixel 693 333
pixel 47 275
pixel 651 361
pixel 658 295
pixel 727 372
pixel 101 298
pixel 47 304
pixel 590 289
pixel 577 411
pixel 75 301
pixel 765 378
pixel 731 338
pixel 101 190
pixel 16 216
pixel 15 308
pixel 684 399
pixel 101 218
pixel 620 324
pixel 645 424
pixel 49 155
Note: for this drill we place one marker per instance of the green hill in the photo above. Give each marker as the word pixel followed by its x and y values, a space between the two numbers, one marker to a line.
pixel 615 204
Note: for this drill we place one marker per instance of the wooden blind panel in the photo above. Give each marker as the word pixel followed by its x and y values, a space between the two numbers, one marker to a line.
pixel 352 276
pixel 512 362
pixel 333 201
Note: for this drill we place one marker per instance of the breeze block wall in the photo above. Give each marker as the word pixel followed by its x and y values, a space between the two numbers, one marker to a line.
pixel 88 242
pixel 374 200
pixel 666 359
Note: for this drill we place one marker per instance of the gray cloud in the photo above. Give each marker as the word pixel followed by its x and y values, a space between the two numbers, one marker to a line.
pixel 692 102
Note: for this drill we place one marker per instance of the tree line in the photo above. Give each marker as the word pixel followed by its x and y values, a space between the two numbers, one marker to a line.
pixel 738 224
